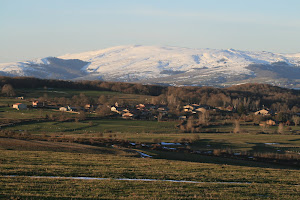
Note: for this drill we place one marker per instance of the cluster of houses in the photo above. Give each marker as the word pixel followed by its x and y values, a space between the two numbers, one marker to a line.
pixel 22 106
pixel 140 111
pixel 195 108
pixel 145 111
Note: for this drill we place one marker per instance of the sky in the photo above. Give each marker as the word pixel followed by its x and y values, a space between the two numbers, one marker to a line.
pixel 32 29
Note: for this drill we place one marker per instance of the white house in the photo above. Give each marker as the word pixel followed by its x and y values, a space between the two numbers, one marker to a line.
pixel 64 109
pixel 262 112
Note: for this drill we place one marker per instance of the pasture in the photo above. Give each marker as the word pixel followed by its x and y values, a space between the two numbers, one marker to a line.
pixel 34 165
pixel 220 178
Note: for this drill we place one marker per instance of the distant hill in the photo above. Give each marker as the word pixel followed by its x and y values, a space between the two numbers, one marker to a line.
pixel 166 66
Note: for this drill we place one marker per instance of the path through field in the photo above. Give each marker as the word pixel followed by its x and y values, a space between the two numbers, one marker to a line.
pixel 123 179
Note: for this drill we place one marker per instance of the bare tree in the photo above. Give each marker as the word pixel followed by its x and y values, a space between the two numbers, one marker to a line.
pixel 237 128
pixel 103 110
pixel 102 99
pixel 296 120
pixel 235 103
pixel 159 116
pixel 203 118
pixel 280 128
pixel 263 126
pixel 8 90
pixel 257 103
pixel 82 115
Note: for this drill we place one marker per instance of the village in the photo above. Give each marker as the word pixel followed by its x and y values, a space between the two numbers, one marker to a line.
pixel 185 125
pixel 161 112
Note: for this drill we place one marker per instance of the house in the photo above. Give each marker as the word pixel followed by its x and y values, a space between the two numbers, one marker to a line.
pixel 114 109
pixel 229 108
pixel 268 123
pixel 118 110
pixel 90 107
pixel 203 110
pixel 37 104
pixel 226 109
pixel 162 108
pixel 20 106
pixel 188 108
pixel 68 108
pixel 140 106
pixel 263 112
pixel 271 122
pixel 194 108
pixel 63 109
pixel 128 115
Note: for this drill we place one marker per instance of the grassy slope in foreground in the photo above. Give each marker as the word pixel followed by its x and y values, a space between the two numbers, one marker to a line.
pixel 64 159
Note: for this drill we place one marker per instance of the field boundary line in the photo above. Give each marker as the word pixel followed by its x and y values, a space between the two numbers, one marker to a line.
pixel 126 179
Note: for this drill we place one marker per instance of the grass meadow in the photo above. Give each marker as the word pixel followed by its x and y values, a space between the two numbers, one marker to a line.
pixel 27 188
pixel 41 158
pixel 69 93
pixel 96 126
pixel 152 132
pixel 216 177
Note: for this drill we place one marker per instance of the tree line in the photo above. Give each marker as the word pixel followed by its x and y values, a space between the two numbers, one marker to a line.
pixel 243 98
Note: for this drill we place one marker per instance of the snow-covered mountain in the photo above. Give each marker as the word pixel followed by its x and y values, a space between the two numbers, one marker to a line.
pixel 166 65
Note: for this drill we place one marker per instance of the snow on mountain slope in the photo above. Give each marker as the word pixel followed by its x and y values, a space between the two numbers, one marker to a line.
pixel 19 67
pixel 144 62
pixel 153 64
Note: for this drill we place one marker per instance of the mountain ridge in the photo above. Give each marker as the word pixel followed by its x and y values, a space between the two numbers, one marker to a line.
pixel 166 65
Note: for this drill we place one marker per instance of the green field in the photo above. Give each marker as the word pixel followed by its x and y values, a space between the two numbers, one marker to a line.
pixel 30 158
pixel 69 93
pixel 27 188
pixel 153 131
pixel 11 113
pixel 96 126
pixel 31 148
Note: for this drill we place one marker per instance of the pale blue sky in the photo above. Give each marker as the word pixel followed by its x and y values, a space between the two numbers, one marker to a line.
pixel 38 28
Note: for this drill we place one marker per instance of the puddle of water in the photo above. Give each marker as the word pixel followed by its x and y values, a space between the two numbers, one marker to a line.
pixel 169 143
pixel 143 155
